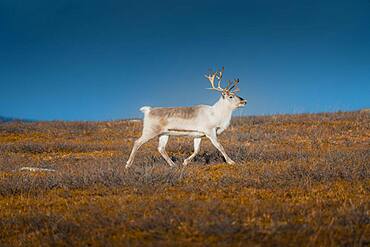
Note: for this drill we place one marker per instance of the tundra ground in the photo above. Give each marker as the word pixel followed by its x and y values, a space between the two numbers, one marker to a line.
pixel 299 180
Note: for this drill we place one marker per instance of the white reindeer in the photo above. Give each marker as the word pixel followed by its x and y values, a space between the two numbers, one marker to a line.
pixel 197 121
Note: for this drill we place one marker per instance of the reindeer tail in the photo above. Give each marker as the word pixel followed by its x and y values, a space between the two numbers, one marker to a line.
pixel 145 109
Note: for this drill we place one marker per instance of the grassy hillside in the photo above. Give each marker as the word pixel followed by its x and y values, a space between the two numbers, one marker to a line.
pixel 299 179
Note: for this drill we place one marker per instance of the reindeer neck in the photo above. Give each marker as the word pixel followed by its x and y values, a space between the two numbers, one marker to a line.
pixel 222 109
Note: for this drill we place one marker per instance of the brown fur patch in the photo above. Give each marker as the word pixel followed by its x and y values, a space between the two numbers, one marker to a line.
pixel 176 112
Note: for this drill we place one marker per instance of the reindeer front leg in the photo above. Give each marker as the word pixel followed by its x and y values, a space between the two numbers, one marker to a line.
pixel 220 130
pixel 212 136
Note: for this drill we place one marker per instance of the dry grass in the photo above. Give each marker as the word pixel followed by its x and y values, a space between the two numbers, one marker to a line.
pixel 300 179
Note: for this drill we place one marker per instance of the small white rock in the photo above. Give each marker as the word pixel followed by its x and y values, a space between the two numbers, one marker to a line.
pixel 36 169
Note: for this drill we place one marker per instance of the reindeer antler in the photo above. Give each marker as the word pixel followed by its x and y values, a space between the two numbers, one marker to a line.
pixel 218 74
pixel 235 85
pixel 211 77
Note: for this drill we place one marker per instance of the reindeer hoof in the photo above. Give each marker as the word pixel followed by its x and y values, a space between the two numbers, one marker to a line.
pixel 231 162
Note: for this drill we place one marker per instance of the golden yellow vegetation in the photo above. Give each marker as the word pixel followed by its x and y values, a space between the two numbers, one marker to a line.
pixel 299 180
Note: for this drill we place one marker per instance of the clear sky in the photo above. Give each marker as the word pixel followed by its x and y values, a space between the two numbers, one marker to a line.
pixel 102 60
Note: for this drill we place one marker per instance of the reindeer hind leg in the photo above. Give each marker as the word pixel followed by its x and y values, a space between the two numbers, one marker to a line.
pixel 197 141
pixel 163 139
pixel 145 137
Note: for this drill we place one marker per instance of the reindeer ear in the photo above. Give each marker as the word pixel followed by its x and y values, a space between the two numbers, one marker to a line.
pixel 225 93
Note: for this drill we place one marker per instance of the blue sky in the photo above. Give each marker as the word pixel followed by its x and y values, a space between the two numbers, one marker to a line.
pixel 102 60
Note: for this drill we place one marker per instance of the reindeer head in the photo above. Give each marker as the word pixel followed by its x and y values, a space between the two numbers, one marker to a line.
pixel 229 92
